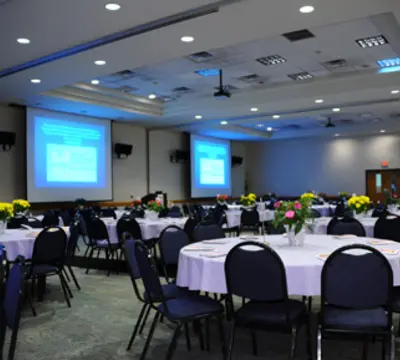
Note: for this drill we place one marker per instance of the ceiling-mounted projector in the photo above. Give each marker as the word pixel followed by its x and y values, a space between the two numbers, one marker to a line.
pixel 222 93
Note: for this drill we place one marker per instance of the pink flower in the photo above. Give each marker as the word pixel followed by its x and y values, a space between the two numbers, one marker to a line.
pixel 289 214
pixel 278 204
pixel 297 205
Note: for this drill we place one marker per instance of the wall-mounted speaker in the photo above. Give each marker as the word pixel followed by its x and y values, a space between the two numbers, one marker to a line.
pixel 236 161
pixel 122 150
pixel 179 157
pixel 7 139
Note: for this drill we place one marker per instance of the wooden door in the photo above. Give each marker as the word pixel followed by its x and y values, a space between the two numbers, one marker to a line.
pixel 379 181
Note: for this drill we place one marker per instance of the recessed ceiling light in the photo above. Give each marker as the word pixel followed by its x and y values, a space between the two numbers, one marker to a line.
pixel 269 128
pixel 372 41
pixel 198 117
pixel 336 109
pixel 271 60
pixel 187 39
pixel 113 7
pixel 152 96
pixel 307 9
pixel 301 76
pixel 224 122
pixel 383 131
pixel 100 62
pixel 260 125
pixel 336 135
pixel 95 82
pixel 23 41
pixel 254 109
pixel 395 92
pixel 208 72
pixel 36 81
pixel 276 116
pixel 319 101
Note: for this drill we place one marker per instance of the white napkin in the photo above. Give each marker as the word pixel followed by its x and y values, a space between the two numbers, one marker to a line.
pixel 380 242
pixel 216 242
pixel 199 248
pixel 213 254
pixel 26 227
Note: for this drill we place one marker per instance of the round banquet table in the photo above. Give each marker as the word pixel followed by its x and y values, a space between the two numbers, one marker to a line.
pixel 150 229
pixel 204 271
pixel 321 224
pixel 233 216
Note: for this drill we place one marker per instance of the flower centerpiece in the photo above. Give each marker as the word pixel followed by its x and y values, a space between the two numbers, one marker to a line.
pixel 221 199
pixel 20 206
pixel 359 204
pixel 308 196
pixel 6 213
pixel 248 200
pixel 136 204
pixel 391 200
pixel 293 216
pixel 153 209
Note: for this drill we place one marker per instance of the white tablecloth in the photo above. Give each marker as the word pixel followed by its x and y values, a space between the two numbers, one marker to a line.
pixel 150 229
pixel 303 268
pixel 233 216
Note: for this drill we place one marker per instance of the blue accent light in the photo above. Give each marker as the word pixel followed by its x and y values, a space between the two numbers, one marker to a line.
pixel 389 69
pixel 207 72
pixel 389 62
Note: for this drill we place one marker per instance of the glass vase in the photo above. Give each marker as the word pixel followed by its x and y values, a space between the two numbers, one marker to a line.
pixel 293 238
pixel 3 227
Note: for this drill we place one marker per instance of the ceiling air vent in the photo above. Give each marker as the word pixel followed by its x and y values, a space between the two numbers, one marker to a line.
pixel 300 76
pixel 335 64
pixel 395 116
pixel 182 90
pixel 127 89
pixel 252 78
pixel 125 73
pixel 298 35
pixel 271 60
pixel 201 56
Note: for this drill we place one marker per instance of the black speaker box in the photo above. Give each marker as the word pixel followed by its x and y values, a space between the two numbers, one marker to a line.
pixel 236 161
pixel 7 139
pixel 179 156
pixel 122 150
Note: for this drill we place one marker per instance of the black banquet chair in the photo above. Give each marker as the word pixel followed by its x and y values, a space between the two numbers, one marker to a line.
pixel 263 282
pixel 356 298
pixel 31 222
pixel 170 291
pixel 12 306
pixel 250 221
pixel 207 232
pixel 189 227
pixel 71 249
pixel 387 227
pixel 48 258
pixel 172 239
pixel 50 218
pixel 180 311
pixel 345 226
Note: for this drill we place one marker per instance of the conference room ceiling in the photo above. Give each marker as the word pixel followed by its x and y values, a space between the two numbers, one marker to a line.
pixel 343 74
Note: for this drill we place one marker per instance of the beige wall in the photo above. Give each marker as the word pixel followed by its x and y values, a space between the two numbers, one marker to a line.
pixel 129 175
pixel 291 167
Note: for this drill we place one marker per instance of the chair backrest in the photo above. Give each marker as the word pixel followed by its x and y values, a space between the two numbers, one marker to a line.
pixel 172 239
pixel 262 279
pixel 50 247
pixel 314 214
pixel 174 213
pixel 15 222
pixel 249 217
pixel 66 217
pixel 378 212
pixel 387 227
pixel 148 272
pixel 32 222
pixel 50 219
pixel 207 232
pixel 185 209
pixel 357 277
pixel 108 213
pixel 73 240
pixel 189 227
pixel 128 227
pixel 345 226
pixel 271 229
pixel 97 230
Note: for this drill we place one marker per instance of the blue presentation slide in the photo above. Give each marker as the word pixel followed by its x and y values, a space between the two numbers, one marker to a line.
pixel 211 164
pixel 69 154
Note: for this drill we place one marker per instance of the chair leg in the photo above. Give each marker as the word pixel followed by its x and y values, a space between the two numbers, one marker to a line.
pixel 384 349
pixel 231 340
pixel 309 338
pixel 207 331
pixel 89 259
pixel 172 345
pixel 66 275
pixel 135 330
pixel 68 288
pixel 365 349
pixel 319 344
pixel 293 342
pixel 73 277
pixel 398 328
pixel 144 320
pixel 187 335
pixel 63 283
pixel 254 342
pixel 222 335
pixel 197 329
pixel 28 295
pixel 392 345
pixel 86 251
pixel 149 337
pixel 108 261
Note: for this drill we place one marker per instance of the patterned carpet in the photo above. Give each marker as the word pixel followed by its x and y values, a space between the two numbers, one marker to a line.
pixel 100 322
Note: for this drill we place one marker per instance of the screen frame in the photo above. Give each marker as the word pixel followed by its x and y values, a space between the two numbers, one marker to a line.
pixel 66 116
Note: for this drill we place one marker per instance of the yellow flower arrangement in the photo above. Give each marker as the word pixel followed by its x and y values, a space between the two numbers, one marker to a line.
pixel 360 204
pixel 308 196
pixel 6 211
pixel 248 200
pixel 20 205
